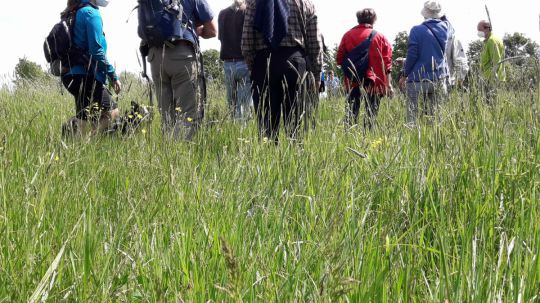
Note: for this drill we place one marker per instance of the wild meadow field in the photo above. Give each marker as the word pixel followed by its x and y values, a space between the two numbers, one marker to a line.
pixel 448 211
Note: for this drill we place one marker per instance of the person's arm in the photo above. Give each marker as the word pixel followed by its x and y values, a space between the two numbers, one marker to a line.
pixel 412 53
pixel 387 61
pixel 313 43
pixel 496 57
pixel 248 34
pixel 207 30
pixel 95 37
pixel 341 52
pixel 206 27
pixel 221 26
pixel 485 62
pixel 461 63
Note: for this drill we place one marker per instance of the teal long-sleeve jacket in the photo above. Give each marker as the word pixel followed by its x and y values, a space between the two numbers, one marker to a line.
pixel 88 35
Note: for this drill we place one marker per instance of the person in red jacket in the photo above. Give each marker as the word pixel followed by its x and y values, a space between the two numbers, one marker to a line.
pixel 377 83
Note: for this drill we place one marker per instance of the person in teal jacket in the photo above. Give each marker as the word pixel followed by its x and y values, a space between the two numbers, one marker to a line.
pixel 95 110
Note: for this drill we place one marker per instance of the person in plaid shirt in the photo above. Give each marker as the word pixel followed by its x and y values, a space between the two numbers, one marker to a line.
pixel 281 43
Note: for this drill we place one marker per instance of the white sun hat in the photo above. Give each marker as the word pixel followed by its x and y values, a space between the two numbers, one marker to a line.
pixel 432 10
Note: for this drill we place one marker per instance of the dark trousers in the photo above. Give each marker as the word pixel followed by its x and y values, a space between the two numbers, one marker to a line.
pixel 372 103
pixel 91 98
pixel 277 86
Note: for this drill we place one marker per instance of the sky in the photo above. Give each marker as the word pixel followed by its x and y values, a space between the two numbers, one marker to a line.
pixel 25 24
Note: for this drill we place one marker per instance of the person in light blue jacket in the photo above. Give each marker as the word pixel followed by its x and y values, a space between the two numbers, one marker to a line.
pixel 426 69
pixel 90 70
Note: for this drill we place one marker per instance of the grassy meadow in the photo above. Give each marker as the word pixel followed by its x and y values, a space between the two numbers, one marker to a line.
pixel 448 211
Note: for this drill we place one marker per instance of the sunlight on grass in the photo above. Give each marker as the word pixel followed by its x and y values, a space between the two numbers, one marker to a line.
pixel 447 211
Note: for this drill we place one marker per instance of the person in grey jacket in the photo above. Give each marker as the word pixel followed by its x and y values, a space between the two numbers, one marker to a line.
pixel 458 65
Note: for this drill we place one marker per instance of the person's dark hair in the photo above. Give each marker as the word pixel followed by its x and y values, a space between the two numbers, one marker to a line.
pixel 367 15
pixel 71 6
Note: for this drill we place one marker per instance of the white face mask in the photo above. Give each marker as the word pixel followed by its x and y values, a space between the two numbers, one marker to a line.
pixel 102 3
pixel 481 35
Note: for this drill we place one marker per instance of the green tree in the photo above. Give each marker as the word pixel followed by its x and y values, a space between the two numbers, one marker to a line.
pixel 399 50
pixel 27 70
pixel 329 61
pixel 474 51
pixel 518 46
pixel 213 65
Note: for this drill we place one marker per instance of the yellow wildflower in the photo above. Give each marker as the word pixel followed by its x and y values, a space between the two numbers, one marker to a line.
pixel 377 143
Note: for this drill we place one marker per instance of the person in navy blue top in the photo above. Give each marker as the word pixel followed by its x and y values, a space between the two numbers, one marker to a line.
pixel 176 71
pixel 95 110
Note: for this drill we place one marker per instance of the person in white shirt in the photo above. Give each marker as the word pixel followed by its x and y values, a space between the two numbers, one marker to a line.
pixel 458 65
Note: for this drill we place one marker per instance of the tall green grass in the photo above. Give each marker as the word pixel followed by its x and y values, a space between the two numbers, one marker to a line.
pixel 448 211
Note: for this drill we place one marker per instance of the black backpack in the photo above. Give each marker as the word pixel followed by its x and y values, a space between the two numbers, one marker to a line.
pixel 59 49
pixel 160 21
pixel 356 63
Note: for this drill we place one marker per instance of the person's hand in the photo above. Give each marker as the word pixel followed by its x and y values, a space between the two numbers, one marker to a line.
pixel 199 30
pixel 402 82
pixel 390 91
pixel 144 49
pixel 117 86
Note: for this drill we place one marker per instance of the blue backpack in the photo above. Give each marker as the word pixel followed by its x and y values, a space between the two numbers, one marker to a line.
pixel 160 21
pixel 356 63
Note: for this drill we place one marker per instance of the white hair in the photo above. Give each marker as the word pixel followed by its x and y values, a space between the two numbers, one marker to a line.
pixel 239 4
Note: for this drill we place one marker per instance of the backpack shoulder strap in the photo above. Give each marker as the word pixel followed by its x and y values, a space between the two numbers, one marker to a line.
pixel 372 35
pixel 434 36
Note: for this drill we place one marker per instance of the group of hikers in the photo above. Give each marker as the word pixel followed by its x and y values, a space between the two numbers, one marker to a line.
pixel 273 59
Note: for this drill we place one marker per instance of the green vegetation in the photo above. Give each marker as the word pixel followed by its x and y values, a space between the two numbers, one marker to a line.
pixel 446 212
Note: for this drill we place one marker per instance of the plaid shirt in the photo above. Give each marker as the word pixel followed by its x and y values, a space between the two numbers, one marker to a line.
pixel 302 23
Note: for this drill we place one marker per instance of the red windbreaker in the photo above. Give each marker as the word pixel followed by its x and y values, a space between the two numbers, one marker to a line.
pixel 380 57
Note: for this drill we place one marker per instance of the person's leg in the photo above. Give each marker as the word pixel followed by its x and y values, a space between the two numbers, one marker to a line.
pixel 75 85
pixel 82 90
pixel 163 86
pixel 311 95
pixel 108 112
pixel 353 108
pixel 440 93
pixel 293 105
pixel 372 102
pixel 276 93
pixel 237 106
pixel 182 66
pixel 228 68
pixel 261 93
pixel 430 98
pixel 244 90
pixel 413 91
pixel 490 92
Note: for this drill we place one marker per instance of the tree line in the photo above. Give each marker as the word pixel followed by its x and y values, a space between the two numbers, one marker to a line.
pixel 522 53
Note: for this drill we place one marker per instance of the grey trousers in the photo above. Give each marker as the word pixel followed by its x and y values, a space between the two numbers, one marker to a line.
pixel 431 94
pixel 175 74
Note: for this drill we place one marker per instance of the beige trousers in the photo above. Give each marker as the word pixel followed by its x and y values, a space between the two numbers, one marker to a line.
pixel 175 74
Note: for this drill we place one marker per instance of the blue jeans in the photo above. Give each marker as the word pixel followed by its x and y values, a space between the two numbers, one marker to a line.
pixel 430 93
pixel 238 84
